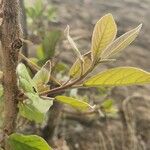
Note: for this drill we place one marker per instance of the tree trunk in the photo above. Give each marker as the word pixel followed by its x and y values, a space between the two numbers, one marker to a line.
pixel 11 44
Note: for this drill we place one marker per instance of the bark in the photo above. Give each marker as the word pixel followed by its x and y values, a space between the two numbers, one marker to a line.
pixel 11 44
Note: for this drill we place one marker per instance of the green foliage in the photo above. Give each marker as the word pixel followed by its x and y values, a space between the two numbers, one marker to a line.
pixel 38 17
pixel 42 77
pixel 120 43
pixel 27 142
pixel 46 49
pixel 34 101
pixel 104 33
pixel 25 81
pixel 79 68
pixel 119 76
pixel 35 108
pixel 108 108
pixel 40 10
pixel 74 102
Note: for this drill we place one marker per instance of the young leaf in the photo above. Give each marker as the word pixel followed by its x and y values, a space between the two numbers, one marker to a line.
pixel 120 43
pixel 22 72
pixel 73 102
pixel 43 75
pixel 35 108
pixel 104 33
pixel 25 80
pixel 27 142
pixel 77 69
pixel 119 76
pixel 72 43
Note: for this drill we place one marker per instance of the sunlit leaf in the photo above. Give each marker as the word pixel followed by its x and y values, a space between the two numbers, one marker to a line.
pixel 34 108
pixel 119 76
pixel 43 75
pixel 27 142
pixel 120 43
pixel 104 33
pixel 74 102
pixel 25 80
pixel 72 43
pixel 76 70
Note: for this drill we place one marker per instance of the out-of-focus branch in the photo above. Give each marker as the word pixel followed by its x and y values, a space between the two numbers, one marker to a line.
pixel 23 20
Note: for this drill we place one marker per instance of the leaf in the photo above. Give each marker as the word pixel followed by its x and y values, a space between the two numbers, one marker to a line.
pixel 72 43
pixel 108 108
pixel 43 75
pixel 50 42
pixel 25 80
pixel 76 69
pixel 104 33
pixel 1 90
pixel 118 77
pixel 35 108
pixel 107 104
pixel 22 72
pixel 40 52
pixel 120 43
pixel 74 102
pixel 27 142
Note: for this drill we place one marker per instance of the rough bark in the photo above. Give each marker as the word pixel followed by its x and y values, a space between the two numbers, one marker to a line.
pixel 11 44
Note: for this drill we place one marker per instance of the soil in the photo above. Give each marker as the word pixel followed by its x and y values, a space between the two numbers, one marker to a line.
pixel 130 130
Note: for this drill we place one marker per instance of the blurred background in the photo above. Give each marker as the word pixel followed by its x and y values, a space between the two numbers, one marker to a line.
pixel 43 23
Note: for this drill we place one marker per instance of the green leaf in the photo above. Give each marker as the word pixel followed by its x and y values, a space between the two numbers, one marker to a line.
pixel 27 142
pixel 118 77
pixel 1 90
pixel 108 108
pixel 25 80
pixel 50 42
pixel 104 33
pixel 107 104
pixel 73 44
pixel 35 108
pixel 40 52
pixel 22 72
pixel 120 43
pixel 76 70
pixel 43 75
pixel 74 102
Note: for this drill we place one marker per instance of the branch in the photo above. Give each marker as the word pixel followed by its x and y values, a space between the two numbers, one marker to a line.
pixel 23 19
pixel 11 44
